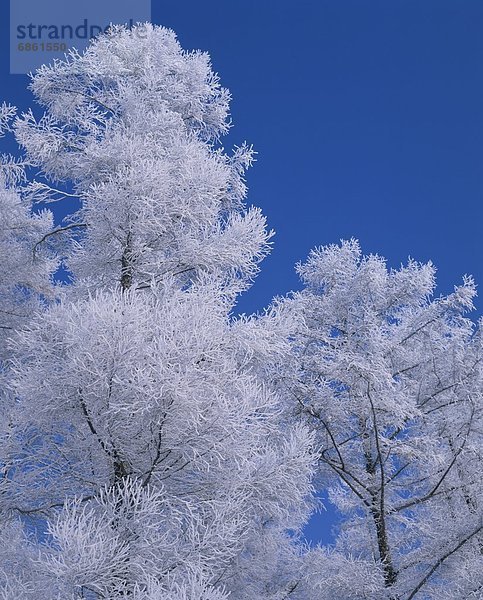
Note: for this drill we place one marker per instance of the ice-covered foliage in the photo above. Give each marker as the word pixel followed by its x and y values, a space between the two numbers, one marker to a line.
pixel 153 446
pixel 148 451
pixel 390 380
pixel 134 123
pixel 25 284
pixel 25 273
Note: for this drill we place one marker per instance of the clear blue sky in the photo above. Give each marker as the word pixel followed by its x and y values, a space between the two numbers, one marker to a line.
pixel 367 117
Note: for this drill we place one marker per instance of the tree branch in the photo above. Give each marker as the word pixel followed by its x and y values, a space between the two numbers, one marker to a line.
pixel 54 232
pixel 440 561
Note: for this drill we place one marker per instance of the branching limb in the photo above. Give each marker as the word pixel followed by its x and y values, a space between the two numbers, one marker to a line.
pixel 54 232
pixel 440 561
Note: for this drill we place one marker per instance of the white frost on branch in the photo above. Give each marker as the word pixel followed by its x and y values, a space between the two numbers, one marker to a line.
pixel 145 431
pixel 389 379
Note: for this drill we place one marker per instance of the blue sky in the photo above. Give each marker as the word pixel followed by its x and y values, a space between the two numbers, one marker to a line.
pixel 368 121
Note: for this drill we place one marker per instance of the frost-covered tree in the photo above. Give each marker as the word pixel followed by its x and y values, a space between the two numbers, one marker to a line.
pixel 25 286
pixel 149 451
pixel 133 124
pixel 389 379
pixel 25 268
pixel 154 447
pixel 25 275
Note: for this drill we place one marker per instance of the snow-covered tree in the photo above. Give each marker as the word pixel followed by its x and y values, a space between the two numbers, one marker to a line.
pixel 25 285
pixel 25 267
pixel 133 124
pixel 155 447
pixel 149 451
pixel 389 379
pixel 25 274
